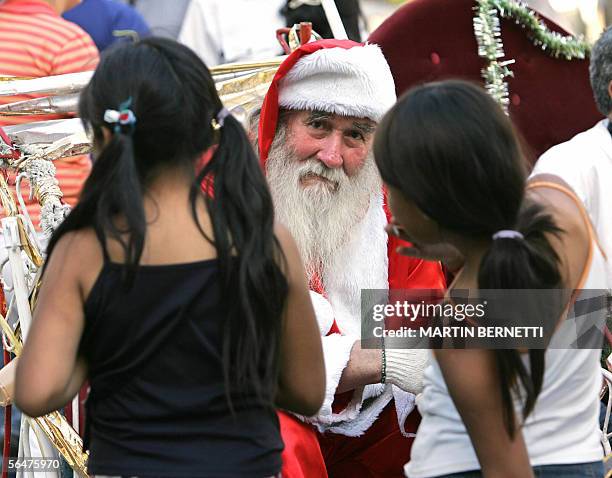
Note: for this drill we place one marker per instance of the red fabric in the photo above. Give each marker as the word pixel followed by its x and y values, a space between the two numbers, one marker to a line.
pixel 205 158
pixel 208 182
pixel 14 153
pixel 334 329
pixel 430 40
pixel 29 7
pixel 269 109
pixel 409 272
pixel 381 452
pixel 302 456
pixel 341 400
pixel 315 284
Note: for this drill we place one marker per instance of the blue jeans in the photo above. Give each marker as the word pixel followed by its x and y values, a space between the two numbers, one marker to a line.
pixel 579 470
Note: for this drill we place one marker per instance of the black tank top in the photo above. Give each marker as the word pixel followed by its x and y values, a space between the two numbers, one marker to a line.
pixel 157 405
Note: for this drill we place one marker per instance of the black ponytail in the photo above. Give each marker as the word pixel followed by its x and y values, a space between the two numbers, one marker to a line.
pixel 530 263
pixel 450 149
pixel 240 207
pixel 176 106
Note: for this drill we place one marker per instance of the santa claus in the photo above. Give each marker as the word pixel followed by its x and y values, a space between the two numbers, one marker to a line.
pixel 315 132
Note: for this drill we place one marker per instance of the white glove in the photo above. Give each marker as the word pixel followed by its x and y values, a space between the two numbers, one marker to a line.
pixel 405 367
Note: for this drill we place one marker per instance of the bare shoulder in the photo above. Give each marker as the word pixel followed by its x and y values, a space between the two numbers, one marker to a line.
pixel 76 255
pixel 78 245
pixel 568 212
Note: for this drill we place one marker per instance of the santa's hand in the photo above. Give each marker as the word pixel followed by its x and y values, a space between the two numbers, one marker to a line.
pixel 404 368
pixel 442 251
pixel 323 311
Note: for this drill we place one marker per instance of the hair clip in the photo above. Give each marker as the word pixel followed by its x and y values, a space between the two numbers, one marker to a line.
pixel 218 122
pixel 124 117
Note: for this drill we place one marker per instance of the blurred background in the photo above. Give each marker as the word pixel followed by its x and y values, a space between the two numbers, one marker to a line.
pixel 217 35
pixel 586 17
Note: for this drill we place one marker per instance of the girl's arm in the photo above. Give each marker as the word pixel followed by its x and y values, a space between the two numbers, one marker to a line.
pixel 301 387
pixel 49 373
pixel 471 378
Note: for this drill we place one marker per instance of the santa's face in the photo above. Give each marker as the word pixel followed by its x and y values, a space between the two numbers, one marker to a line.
pixel 338 142
pixel 322 177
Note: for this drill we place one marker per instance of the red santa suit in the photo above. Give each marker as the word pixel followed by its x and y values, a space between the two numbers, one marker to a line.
pixel 365 432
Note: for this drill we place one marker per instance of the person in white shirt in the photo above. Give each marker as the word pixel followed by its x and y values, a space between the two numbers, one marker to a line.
pixel 585 161
pixel 227 31
pixel 454 172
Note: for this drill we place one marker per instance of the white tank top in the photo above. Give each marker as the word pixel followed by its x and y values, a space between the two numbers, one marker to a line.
pixel 562 429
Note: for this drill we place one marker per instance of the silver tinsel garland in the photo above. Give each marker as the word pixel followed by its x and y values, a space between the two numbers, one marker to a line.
pixel 490 46
pixel 41 175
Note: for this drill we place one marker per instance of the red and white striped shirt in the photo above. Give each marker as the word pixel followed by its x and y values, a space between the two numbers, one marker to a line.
pixel 35 41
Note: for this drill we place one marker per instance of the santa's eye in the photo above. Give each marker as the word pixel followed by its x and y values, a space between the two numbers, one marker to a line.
pixel 316 124
pixel 355 134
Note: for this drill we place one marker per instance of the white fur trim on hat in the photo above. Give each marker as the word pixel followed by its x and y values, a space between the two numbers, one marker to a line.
pixel 349 82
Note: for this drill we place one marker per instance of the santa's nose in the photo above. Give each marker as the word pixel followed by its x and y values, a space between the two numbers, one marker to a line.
pixel 330 153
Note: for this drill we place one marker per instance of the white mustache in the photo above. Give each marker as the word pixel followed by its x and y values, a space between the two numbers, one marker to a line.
pixel 314 166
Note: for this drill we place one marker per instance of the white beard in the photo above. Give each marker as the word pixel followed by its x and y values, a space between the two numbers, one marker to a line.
pixel 321 216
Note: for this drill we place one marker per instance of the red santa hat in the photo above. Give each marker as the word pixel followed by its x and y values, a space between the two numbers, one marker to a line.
pixel 550 98
pixel 335 76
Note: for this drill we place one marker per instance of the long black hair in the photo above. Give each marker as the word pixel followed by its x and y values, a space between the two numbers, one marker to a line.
pixel 173 97
pixel 450 149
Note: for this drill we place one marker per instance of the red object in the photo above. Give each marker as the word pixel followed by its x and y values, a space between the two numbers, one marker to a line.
pixel 305 35
pixel 280 37
pixel 305 32
pixel 4 139
pixel 431 40
pixel 269 109
pixel 302 456
pixel 29 7
pixel 316 284
pixel 208 182
pixel 381 452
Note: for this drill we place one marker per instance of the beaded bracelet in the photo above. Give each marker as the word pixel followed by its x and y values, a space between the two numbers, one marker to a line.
pixel 383 372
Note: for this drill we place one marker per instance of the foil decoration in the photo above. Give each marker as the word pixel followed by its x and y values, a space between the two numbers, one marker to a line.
pixel 487 31
pixel 51 85
pixel 65 104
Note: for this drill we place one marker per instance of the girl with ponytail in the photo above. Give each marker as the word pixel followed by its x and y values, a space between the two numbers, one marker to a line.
pixel 456 183
pixel 169 287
